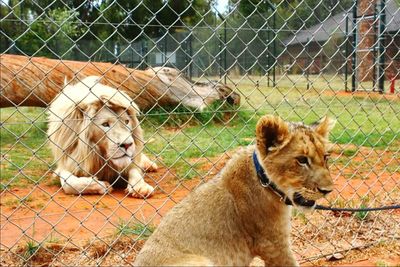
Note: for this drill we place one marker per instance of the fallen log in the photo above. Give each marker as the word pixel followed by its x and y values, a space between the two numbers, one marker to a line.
pixel 35 81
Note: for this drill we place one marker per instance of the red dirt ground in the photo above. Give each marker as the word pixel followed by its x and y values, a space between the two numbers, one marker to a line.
pixel 50 213
pixel 365 94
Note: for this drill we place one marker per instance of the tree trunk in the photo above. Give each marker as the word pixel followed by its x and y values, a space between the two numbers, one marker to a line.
pixel 34 81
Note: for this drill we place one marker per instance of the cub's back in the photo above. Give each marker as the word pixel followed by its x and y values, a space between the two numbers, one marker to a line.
pixel 204 223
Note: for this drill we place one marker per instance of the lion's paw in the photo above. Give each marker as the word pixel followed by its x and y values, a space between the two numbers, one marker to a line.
pixel 151 166
pixel 140 190
pixel 106 187
pixel 100 187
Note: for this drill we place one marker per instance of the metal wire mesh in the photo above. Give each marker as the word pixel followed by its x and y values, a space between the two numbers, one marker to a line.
pixel 296 59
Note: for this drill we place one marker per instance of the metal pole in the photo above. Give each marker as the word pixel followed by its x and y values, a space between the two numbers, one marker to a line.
pixel 219 55
pixel 354 48
pixel 165 48
pixel 145 53
pixel 268 51
pixel 346 52
pixel 274 59
pixel 382 32
pixel 222 46
pixel 308 64
pixel 225 51
pixel 274 47
pixel 191 57
pixel 374 48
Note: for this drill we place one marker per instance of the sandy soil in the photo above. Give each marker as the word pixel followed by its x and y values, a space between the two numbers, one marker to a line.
pixel 81 230
pixel 365 94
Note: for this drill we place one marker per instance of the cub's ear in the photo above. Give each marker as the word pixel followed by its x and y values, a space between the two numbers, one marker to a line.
pixel 324 126
pixel 271 132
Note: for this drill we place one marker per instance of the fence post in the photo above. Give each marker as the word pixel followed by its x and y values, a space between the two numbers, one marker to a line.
pixel 354 48
pixel 381 44
pixel 346 52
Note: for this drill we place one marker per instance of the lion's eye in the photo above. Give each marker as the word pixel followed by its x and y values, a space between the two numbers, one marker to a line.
pixel 126 122
pixel 302 160
pixel 326 157
pixel 105 124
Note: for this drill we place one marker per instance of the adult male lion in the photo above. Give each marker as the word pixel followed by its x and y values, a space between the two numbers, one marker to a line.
pixel 96 140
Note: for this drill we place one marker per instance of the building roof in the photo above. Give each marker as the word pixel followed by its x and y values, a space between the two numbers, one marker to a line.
pixel 337 25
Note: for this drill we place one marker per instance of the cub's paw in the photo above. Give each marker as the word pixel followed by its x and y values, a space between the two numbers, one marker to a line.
pixel 140 190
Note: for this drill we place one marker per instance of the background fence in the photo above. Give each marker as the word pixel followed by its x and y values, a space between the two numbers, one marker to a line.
pixel 295 59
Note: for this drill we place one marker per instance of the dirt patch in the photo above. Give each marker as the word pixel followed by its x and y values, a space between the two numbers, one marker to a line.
pixel 383 254
pixel 364 94
pixel 85 227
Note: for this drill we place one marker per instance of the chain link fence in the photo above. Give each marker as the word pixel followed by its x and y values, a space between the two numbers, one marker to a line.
pixel 242 59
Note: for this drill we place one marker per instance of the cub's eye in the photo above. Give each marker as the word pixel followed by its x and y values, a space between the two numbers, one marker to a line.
pixel 302 160
pixel 126 122
pixel 105 124
pixel 326 157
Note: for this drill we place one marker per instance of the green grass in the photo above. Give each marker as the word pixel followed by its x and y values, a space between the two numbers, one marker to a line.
pixel 362 215
pixel 16 202
pixel 140 230
pixel 181 136
pixel 381 263
pixel 25 157
pixel 350 152
pixel 31 248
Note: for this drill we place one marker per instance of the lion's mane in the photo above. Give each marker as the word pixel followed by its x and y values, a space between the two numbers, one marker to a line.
pixel 70 116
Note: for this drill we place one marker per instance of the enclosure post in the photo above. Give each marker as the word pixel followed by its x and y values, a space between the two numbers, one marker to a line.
pixel 346 52
pixel 374 49
pixel 225 51
pixel 274 59
pixel 382 32
pixel 165 48
pixel 354 48
pixel 274 46
pixel 188 55
pixel 191 56
pixel 144 54
pixel 219 56
pixel 222 46
pixel 308 63
pixel 268 51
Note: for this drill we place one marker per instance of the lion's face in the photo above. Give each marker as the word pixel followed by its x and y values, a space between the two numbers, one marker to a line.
pixel 110 135
pixel 94 130
pixel 295 157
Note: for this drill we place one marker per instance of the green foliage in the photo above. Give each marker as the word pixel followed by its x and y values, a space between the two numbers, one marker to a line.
pixel 138 229
pixel 362 215
pixel 30 249
pixel 180 116
pixel 381 263
pixel 49 28
pixel 52 34
pixel 350 152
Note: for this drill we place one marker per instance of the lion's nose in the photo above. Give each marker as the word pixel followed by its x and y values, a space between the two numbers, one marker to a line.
pixel 324 190
pixel 126 145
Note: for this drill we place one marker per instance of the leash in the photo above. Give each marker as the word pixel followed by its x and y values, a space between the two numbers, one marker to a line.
pixel 266 182
pixel 393 207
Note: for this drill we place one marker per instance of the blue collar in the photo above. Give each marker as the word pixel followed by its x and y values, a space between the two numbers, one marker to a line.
pixel 266 182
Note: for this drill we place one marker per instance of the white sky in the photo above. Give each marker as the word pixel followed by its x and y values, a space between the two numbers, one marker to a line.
pixel 222 6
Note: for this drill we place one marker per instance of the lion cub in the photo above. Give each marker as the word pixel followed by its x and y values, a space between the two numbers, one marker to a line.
pixel 245 210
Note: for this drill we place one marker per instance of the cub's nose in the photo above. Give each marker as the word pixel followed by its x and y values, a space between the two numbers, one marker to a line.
pixel 126 145
pixel 324 191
